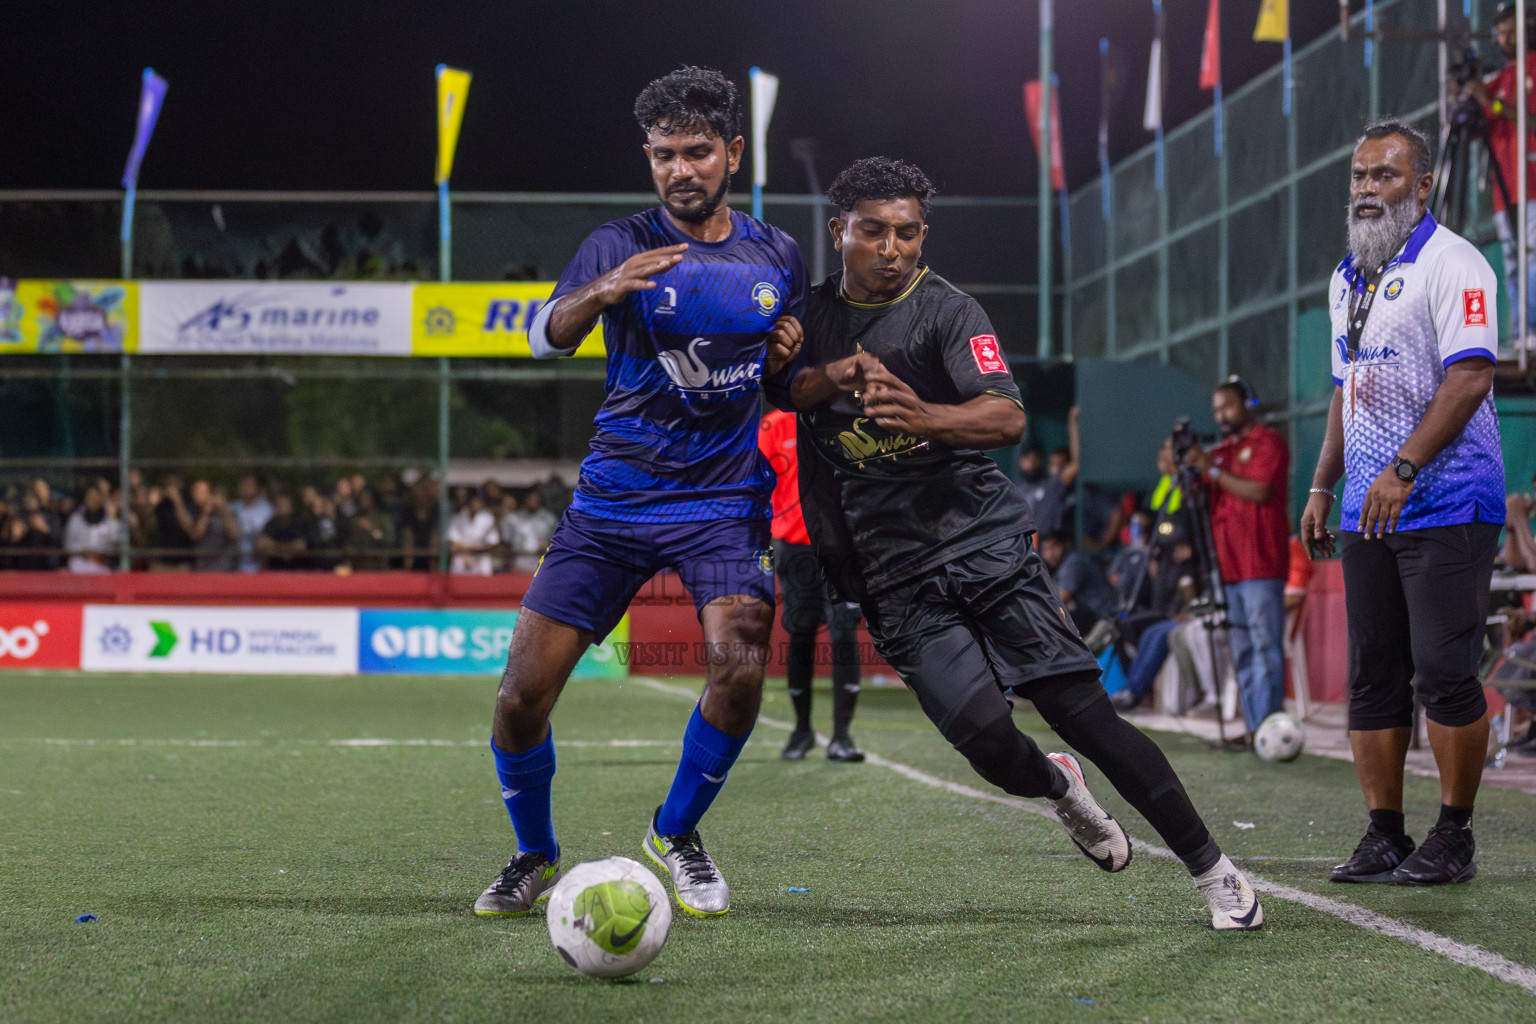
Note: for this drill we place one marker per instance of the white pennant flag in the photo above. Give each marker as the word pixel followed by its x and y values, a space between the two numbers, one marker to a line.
pixel 765 91
pixel 1152 119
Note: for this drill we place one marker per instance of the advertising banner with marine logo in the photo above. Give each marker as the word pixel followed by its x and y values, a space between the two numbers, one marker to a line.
pixel 454 641
pixel 255 641
pixel 39 636
pixel 260 317
pixel 483 319
pixel 291 317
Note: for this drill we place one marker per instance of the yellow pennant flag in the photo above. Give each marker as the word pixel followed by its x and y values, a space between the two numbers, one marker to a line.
pixel 1274 24
pixel 452 91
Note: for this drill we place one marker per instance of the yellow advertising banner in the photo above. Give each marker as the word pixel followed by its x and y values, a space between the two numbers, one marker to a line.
pixel 482 319
pixel 68 316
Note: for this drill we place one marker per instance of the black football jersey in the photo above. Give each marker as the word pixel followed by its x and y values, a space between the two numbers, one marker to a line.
pixel 883 507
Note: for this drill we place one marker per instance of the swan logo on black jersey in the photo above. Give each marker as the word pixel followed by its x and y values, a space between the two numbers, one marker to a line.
pixel 859 447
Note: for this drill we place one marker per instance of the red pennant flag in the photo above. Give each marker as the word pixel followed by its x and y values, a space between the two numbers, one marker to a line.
pixel 1210 53
pixel 1032 111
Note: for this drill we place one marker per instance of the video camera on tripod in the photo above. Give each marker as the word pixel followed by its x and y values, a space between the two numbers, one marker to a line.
pixel 1184 437
pixel 1466 126
pixel 1210 601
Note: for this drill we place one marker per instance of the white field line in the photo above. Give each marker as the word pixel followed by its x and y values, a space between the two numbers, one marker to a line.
pixel 1467 955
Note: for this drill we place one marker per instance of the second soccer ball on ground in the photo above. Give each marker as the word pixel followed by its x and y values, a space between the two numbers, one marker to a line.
pixel 1279 738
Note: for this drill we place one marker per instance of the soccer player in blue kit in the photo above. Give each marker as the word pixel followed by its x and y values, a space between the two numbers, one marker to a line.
pixel 697 303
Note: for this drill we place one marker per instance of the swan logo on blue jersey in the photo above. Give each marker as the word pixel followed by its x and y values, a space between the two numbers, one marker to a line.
pixel 1366 353
pixel 766 297
pixel 690 372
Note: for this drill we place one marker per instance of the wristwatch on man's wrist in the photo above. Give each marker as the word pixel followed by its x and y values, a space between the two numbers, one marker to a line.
pixel 1405 469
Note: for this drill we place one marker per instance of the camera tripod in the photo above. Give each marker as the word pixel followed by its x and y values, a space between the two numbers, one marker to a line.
pixel 1450 201
pixel 1210 604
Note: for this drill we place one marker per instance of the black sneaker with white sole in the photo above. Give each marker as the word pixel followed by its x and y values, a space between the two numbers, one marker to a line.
pixel 1445 858
pixel 842 749
pixel 800 743
pixel 1374 859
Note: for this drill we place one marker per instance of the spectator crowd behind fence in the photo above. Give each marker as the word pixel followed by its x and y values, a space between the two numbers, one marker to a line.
pixel 352 524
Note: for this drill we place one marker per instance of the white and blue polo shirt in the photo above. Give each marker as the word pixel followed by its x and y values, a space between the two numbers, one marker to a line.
pixel 1435 305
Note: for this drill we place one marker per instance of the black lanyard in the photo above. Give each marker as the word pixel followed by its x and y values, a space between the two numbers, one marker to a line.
pixel 1360 309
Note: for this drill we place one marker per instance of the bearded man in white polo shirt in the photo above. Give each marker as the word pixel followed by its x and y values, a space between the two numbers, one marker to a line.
pixel 1413 429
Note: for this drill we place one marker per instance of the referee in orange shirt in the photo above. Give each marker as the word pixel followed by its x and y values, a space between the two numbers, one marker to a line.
pixel 806 604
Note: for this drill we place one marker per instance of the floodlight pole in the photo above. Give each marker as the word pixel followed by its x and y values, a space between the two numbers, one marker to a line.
pixel 1043 206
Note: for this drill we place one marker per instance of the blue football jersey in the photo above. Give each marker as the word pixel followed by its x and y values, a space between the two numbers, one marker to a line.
pixel 677 433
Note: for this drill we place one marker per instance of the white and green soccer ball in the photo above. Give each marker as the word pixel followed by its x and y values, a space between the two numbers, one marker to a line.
pixel 1279 738
pixel 609 917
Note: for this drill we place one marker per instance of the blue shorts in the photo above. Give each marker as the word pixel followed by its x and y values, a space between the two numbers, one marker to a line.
pixel 596 566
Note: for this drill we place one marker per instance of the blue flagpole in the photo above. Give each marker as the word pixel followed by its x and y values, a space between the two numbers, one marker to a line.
pixel 1216 122
pixel 1066 223
pixel 757 202
pixel 1162 77
pixel 1370 26
pixel 1285 107
pixel 444 233
pixel 126 235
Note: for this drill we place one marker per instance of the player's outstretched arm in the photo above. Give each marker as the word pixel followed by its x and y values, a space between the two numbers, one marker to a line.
pixel 983 422
pixel 576 313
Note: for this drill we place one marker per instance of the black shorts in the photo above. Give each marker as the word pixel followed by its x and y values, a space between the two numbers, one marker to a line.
pixel 807 603
pixel 1417 604
pixel 986 621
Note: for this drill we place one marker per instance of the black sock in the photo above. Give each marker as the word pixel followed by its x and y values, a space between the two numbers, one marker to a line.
pixel 1387 823
pixel 800 669
pixel 845 681
pixel 1461 817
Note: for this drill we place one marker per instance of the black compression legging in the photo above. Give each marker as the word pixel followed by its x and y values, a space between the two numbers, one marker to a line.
pixel 1078 710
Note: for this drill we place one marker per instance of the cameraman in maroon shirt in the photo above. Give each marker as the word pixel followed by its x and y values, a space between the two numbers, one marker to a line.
pixel 1246 476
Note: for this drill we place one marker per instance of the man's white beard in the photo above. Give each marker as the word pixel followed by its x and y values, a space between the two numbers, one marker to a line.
pixel 1374 240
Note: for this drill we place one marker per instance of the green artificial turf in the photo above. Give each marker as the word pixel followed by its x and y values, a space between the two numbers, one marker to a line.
pixel 244 867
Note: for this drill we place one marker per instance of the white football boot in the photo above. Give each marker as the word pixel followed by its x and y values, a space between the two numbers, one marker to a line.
pixel 1092 828
pixel 1234 907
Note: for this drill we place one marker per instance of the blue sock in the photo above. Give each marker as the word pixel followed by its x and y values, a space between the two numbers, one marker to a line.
pixel 708 755
pixel 525 780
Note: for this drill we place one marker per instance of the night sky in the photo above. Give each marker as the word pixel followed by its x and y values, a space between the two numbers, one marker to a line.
pixel 338 94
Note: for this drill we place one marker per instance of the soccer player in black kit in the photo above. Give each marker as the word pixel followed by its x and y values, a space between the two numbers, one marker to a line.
pixel 900 387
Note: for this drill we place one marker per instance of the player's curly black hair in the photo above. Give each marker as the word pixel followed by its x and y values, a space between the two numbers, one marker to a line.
pixel 880 177
pixel 690 99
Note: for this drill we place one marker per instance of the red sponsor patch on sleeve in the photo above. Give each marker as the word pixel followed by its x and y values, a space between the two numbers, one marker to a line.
pixel 1475 308
pixel 988 356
